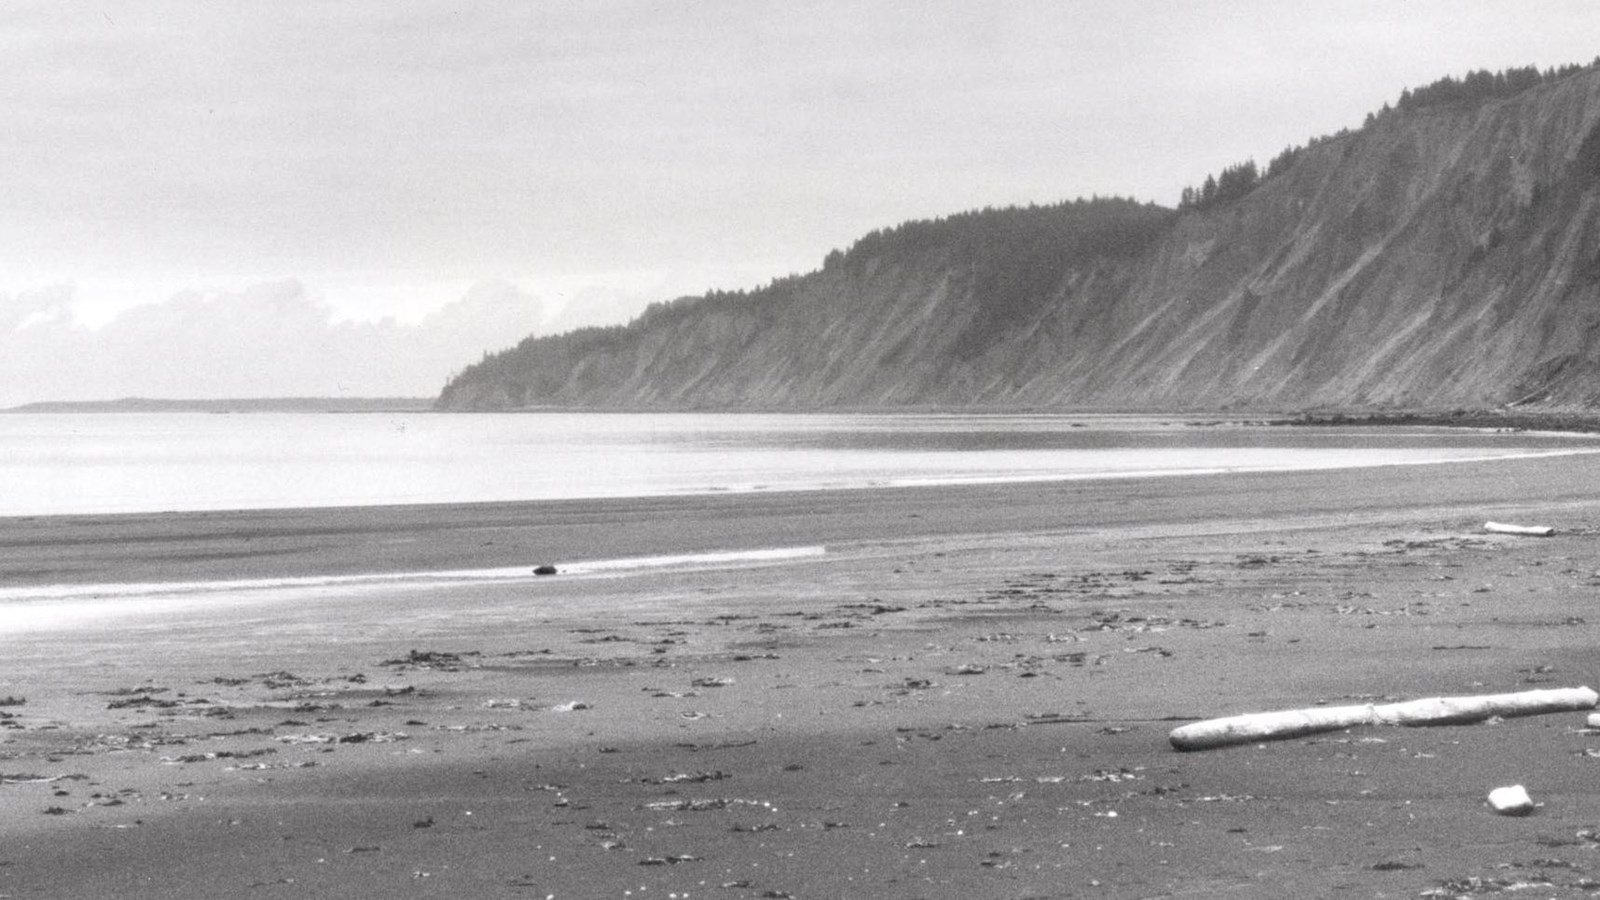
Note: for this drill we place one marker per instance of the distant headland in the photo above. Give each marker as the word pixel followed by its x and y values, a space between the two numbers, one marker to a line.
pixel 248 405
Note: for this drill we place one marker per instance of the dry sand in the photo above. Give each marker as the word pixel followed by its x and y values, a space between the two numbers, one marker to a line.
pixel 968 695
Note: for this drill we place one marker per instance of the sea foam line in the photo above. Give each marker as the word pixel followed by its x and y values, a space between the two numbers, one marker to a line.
pixel 448 576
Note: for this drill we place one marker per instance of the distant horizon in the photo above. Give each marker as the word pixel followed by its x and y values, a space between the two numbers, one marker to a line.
pixel 363 198
pixel 141 404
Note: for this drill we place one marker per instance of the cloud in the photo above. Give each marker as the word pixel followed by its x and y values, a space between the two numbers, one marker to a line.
pixel 270 340
pixel 34 309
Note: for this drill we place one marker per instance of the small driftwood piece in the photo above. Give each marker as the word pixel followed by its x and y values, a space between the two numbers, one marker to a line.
pixel 1274 726
pixel 1532 530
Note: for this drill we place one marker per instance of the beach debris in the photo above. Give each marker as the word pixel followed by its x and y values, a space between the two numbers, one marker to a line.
pixel 1269 726
pixel 28 778
pixel 1465 887
pixel 358 737
pixel 1530 530
pixel 281 679
pixel 875 608
pixel 708 804
pixel 545 569
pixel 261 767
pixel 710 682
pixel 140 701
pixel 1593 721
pixel 440 660
pixel 1116 775
pixel 130 691
pixel 571 706
pixel 687 778
pixel 219 754
pixel 1395 865
pixel 725 745
pixel 9 700
pixel 668 860
pixel 908 685
pixel 1511 801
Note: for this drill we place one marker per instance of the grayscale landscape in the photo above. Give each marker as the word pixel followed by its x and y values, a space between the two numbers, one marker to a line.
pixel 727 450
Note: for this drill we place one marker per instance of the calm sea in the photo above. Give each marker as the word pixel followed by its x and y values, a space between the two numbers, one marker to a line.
pixel 99 463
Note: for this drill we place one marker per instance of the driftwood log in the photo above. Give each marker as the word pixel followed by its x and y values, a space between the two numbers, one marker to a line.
pixel 1272 726
pixel 1533 530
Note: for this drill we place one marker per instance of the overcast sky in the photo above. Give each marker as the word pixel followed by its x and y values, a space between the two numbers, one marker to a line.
pixel 218 198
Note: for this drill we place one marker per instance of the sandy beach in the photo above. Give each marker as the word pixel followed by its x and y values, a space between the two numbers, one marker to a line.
pixel 967 693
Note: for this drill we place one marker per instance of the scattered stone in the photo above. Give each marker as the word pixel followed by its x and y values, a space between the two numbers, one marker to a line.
pixel 1511 801
pixel 546 569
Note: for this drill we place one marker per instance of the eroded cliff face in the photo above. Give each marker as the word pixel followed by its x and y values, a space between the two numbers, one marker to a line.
pixel 1447 256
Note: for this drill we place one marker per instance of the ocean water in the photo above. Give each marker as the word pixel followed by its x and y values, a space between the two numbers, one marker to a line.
pixel 107 463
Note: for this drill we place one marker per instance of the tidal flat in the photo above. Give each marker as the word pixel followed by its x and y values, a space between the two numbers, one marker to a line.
pixel 966 694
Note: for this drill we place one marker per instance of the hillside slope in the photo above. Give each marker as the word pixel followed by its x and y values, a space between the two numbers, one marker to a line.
pixel 1443 256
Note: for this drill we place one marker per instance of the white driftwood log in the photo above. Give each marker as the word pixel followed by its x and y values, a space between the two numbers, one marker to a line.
pixel 1458 710
pixel 1534 530
pixel 1272 726
pixel 1268 726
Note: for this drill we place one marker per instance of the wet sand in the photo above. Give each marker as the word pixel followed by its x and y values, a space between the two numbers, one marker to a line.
pixel 967 695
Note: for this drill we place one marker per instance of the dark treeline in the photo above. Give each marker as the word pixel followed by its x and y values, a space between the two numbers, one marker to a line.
pixel 1474 88
pixel 1482 86
pixel 1017 258
pixel 1074 229
pixel 1234 182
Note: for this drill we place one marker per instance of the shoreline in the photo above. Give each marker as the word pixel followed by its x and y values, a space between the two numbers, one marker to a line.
pixel 967 695
pixel 361 540
pixel 1187 449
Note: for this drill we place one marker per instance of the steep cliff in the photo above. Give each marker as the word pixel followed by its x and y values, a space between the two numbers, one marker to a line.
pixel 1440 256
